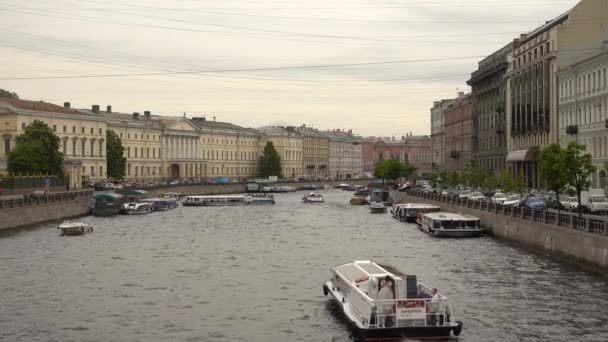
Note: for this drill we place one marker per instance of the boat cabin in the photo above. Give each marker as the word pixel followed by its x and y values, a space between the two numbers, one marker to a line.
pixel 408 212
pixel 450 224
pixel 135 195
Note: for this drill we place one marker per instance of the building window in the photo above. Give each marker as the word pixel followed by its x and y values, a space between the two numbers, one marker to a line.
pixel 74 129
pixel 128 135
pixel 101 171
pixel 135 157
pixel 65 147
pixel 92 148
pixel 153 153
pixel 120 135
pixel 101 148
pixel 128 152
pixel 23 125
pixel 142 153
pixel 82 130
pixel 84 146
pixel 129 169
pixel 7 146
pixel 148 153
pixel 100 131
pixel 92 130
pixel 54 128
pixel 92 170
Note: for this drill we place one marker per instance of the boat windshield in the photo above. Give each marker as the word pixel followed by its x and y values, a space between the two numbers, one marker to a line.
pixel 573 199
pixel 471 224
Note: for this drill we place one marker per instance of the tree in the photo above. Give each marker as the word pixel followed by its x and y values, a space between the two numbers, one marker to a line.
pixel 36 151
pixel 552 169
pixel 506 182
pixel 270 162
pixel 578 166
pixel 115 156
pixel 434 180
pixel 519 183
pixel 393 169
pixel 8 94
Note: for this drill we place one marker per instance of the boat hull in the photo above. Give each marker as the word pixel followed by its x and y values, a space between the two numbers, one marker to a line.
pixel 453 233
pixel 412 331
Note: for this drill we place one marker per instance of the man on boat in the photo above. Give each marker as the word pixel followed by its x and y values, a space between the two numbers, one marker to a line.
pixel 386 294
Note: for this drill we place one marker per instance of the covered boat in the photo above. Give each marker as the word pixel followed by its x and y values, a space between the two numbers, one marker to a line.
pixel 257 199
pixel 381 301
pixel 218 200
pixel 135 195
pixel 137 208
pixel 377 208
pixel 380 195
pixel 107 204
pixel 313 198
pixel 408 212
pixel 162 204
pixel 449 224
pixel 74 228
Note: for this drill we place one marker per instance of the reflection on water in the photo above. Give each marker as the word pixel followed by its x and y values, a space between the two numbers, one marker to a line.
pixel 255 274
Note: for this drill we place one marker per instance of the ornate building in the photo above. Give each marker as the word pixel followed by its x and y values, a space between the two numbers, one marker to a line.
pixel 418 151
pixel 438 133
pixel 345 154
pixel 583 109
pixel 288 143
pixel 489 91
pixel 315 152
pixel 458 133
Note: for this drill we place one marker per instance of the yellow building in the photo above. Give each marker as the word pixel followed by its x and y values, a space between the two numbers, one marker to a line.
pixel 82 135
pixel 228 150
pixel 315 152
pixel 288 143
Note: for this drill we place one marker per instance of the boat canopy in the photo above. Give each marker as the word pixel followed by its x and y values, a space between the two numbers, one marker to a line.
pixel 140 193
pixel 108 196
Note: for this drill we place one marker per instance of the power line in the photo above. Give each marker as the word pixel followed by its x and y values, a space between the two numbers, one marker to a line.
pixel 297 67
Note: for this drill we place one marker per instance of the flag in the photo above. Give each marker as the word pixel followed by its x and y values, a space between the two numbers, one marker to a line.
pixel 47 182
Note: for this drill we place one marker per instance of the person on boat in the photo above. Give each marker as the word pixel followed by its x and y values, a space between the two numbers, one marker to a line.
pixel 435 309
pixel 386 294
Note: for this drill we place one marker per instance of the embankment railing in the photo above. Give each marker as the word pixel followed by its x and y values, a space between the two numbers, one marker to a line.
pixel 566 220
pixel 29 201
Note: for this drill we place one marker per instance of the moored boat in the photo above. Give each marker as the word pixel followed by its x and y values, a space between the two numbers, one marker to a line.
pixel 312 198
pixel 107 204
pixel 137 208
pixel 260 199
pixel 216 200
pixel 162 204
pixel 377 208
pixel 74 228
pixel 380 195
pixel 381 301
pixel 444 224
pixel 408 212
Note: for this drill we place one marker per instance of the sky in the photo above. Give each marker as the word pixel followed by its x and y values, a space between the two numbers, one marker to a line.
pixel 373 66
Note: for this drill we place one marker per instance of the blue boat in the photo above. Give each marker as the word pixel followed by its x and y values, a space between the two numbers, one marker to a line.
pixel 162 204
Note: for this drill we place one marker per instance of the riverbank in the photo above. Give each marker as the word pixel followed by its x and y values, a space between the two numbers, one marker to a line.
pixel 565 243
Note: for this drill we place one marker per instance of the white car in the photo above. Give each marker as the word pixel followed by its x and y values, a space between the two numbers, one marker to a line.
pixel 464 194
pixel 571 203
pixel 512 201
pixel 477 196
pixel 499 198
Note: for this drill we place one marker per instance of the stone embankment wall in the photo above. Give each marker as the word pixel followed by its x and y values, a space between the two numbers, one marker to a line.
pixel 221 189
pixel 587 249
pixel 54 207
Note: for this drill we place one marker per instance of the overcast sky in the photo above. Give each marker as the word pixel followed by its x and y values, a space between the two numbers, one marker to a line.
pixel 259 62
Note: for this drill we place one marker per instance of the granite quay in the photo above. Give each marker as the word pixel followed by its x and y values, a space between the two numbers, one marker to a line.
pixel 582 240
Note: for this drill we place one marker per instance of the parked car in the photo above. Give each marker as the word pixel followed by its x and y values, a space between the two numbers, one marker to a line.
pixel 464 194
pixel 477 196
pixel 570 204
pixel 535 202
pixel 499 198
pixel 512 201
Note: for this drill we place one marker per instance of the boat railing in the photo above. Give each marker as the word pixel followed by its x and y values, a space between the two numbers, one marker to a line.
pixel 415 312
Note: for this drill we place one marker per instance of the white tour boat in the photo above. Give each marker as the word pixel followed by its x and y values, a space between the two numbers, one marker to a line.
pixel 408 212
pixel 74 228
pixel 377 208
pixel 449 224
pixel 218 200
pixel 313 198
pixel 381 301
pixel 137 208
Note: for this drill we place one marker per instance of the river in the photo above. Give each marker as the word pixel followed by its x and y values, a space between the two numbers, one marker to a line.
pixel 255 274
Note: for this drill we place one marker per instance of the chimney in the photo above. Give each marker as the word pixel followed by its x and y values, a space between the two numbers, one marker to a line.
pixel 135 116
pixel 66 105
pixel 147 114
pixel 95 109
pixel 109 109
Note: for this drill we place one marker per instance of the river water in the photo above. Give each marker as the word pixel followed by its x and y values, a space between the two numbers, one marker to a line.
pixel 255 274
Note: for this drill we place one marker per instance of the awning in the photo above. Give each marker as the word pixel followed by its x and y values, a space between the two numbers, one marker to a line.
pixel 530 154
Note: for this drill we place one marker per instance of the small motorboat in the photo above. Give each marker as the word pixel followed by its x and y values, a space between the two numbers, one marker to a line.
pixel 74 228
pixel 309 187
pixel 377 208
pixel 313 198
pixel 137 208
pixel 408 212
pixel 382 302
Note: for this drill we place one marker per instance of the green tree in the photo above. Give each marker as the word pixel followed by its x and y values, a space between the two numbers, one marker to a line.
pixel 519 184
pixel 578 166
pixel 552 169
pixel 434 180
pixel 393 169
pixel 8 94
pixel 115 156
pixel 270 162
pixel 506 182
pixel 36 151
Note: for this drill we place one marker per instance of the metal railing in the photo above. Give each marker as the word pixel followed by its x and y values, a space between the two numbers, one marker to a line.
pixel 29 201
pixel 566 220
pixel 421 312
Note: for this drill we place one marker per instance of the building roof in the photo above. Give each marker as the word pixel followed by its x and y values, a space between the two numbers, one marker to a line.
pixel 35 106
pixel 203 123
pixel 277 130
